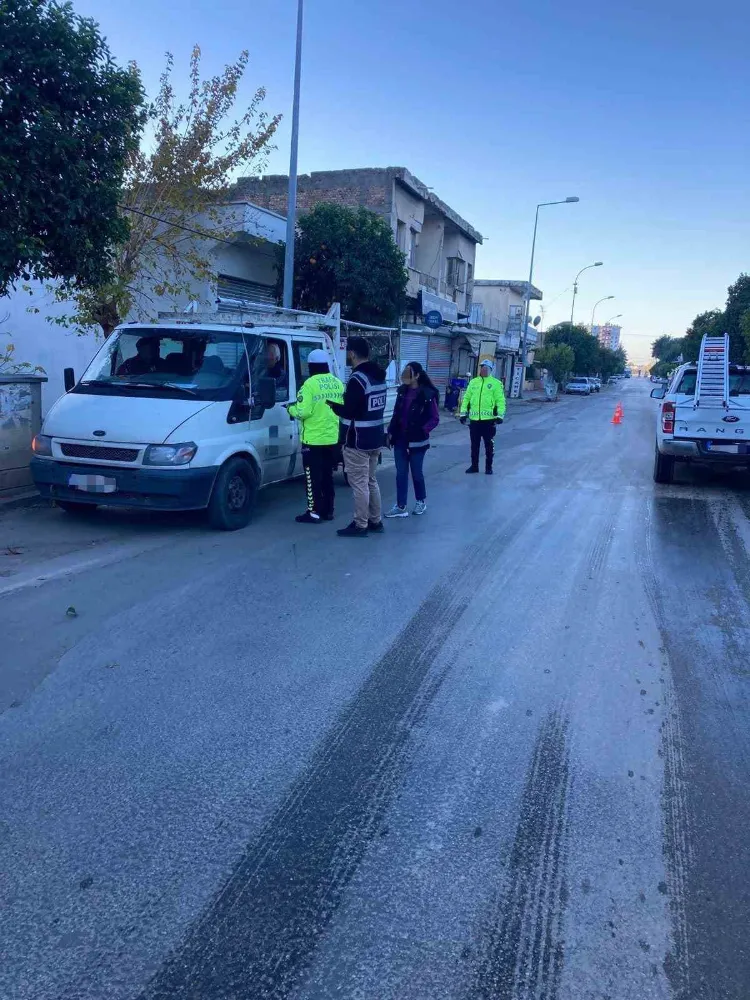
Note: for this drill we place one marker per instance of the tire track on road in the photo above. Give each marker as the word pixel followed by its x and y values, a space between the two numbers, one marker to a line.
pixel 258 935
pixel 676 819
pixel 523 945
pixel 704 742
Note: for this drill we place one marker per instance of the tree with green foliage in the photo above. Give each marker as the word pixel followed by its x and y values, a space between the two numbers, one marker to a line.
pixel 70 120
pixel 585 347
pixel 611 362
pixel 711 323
pixel 349 256
pixel 745 328
pixel 738 304
pixel 715 322
pixel 175 196
pixel 666 348
pixel 558 359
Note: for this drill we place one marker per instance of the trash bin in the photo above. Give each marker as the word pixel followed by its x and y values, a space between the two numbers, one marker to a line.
pixel 20 420
pixel 451 397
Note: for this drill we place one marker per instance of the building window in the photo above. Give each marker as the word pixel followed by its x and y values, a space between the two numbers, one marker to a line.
pixel 455 273
pixel 401 236
pixel 413 244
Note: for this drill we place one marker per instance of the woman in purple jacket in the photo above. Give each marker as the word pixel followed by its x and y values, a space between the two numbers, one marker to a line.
pixel 414 417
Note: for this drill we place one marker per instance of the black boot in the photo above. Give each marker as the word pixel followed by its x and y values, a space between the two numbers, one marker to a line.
pixel 488 470
pixel 352 531
pixel 472 470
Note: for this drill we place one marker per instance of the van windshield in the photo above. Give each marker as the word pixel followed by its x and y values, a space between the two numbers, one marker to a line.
pixel 178 362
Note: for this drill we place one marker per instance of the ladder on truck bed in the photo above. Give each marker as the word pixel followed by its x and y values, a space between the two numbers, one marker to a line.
pixel 712 383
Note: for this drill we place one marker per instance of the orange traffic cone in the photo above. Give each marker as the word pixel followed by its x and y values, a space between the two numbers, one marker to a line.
pixel 618 415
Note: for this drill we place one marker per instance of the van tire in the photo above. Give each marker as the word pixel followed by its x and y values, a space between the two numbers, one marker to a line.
pixel 233 496
pixel 663 467
pixel 76 507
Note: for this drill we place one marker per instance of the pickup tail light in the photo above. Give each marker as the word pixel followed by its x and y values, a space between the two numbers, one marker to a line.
pixel 667 418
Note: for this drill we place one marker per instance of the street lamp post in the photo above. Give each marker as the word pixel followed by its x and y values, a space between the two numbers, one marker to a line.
pixel 597 263
pixel 291 208
pixel 527 292
pixel 593 311
pixel 611 318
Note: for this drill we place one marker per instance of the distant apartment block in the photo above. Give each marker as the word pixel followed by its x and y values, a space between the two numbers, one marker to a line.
pixel 608 336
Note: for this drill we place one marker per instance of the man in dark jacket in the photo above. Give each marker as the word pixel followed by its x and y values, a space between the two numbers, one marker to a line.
pixel 362 436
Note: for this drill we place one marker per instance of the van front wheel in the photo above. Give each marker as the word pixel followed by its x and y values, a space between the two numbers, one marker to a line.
pixel 233 497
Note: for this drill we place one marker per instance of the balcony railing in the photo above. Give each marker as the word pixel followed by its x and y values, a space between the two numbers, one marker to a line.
pixel 432 283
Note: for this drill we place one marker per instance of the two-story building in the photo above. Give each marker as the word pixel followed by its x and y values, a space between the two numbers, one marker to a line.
pixel 499 306
pixel 439 248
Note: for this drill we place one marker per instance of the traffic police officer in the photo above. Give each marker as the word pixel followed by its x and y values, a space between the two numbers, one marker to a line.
pixel 484 405
pixel 320 435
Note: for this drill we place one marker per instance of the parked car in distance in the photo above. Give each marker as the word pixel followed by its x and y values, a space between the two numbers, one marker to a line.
pixel 612 380
pixel 579 386
pixel 596 383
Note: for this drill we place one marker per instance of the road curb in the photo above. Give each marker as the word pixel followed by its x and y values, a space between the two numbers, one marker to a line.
pixel 27 498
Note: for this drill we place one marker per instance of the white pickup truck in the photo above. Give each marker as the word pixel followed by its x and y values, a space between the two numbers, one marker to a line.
pixel 705 413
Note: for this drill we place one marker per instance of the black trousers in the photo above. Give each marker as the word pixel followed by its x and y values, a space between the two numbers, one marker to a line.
pixel 318 461
pixel 482 430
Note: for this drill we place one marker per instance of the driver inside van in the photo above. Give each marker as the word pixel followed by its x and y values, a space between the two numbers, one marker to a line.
pixel 145 361
pixel 275 369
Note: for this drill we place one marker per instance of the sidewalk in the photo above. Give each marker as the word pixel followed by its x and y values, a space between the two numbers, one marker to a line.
pixel 534 396
pixel 25 496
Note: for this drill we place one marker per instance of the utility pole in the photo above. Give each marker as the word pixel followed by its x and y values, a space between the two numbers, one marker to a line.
pixel 575 287
pixel 527 292
pixel 291 210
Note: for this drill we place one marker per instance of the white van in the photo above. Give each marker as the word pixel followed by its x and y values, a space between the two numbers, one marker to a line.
pixel 183 414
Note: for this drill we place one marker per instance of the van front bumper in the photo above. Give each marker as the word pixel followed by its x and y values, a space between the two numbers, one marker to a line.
pixel 158 489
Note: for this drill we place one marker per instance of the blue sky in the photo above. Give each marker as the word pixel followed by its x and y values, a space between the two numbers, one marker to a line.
pixel 640 109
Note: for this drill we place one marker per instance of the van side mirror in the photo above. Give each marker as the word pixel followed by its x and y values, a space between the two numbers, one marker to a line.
pixel 659 392
pixel 266 393
pixel 69 378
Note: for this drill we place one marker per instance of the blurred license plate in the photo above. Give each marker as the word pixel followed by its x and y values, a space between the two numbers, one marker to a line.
pixel 726 449
pixel 92 484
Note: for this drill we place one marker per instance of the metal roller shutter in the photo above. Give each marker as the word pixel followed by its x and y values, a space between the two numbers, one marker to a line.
pixel 413 348
pixel 439 363
pixel 236 290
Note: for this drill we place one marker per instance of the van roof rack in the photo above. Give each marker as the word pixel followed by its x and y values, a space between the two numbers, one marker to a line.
pixel 238 312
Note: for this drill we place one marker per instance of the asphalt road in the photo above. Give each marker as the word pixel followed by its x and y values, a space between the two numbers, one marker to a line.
pixel 501 751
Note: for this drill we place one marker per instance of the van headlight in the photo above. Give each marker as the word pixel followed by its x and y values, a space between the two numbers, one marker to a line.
pixel 170 454
pixel 42 445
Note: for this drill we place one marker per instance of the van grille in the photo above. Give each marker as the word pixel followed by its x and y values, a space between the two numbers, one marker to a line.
pixel 102 454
